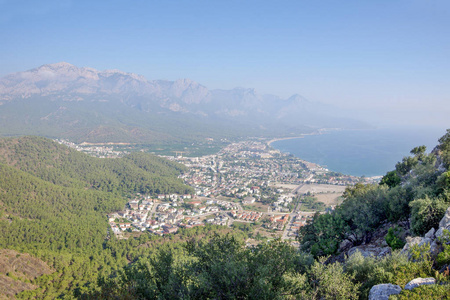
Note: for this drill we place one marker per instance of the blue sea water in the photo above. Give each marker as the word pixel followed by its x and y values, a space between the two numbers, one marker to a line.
pixel 360 152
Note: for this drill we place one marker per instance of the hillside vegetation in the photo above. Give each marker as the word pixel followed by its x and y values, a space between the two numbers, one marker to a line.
pixel 62 221
pixel 54 202
pixel 57 164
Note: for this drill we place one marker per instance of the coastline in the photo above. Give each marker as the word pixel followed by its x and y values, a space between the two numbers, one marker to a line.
pixel 285 138
pixel 319 131
pixel 370 153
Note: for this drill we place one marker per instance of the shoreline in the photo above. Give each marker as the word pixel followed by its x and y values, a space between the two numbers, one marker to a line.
pixel 318 132
pixel 282 139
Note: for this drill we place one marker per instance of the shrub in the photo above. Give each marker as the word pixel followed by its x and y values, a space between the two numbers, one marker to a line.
pixel 391 179
pixel 393 238
pixel 443 258
pixel 426 213
pixel 330 282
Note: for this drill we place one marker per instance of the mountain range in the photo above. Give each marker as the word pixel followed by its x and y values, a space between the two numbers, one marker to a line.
pixel 87 105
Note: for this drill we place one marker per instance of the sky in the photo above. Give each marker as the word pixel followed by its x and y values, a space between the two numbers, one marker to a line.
pixel 386 61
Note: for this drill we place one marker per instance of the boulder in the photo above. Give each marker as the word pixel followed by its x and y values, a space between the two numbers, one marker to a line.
pixel 418 282
pixel 411 241
pixel 435 248
pixel 383 291
pixel 367 251
pixel 385 251
pixel 440 232
pixel 430 234
pixel 356 249
pixel 445 221
pixel 444 224
pixel 425 241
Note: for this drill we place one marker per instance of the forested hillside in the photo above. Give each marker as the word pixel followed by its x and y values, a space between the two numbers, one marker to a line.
pixel 54 202
pixel 60 165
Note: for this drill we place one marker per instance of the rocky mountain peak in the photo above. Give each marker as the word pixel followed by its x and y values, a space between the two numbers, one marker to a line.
pixel 58 65
pixel 296 98
pixel 65 82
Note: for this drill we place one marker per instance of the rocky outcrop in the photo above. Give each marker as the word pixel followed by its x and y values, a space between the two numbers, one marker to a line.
pixel 430 234
pixel 410 242
pixel 444 224
pixel 370 250
pixel 383 291
pixel 418 282
pixel 431 238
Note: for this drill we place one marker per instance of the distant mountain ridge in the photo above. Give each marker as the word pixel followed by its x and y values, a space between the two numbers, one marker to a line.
pixel 86 101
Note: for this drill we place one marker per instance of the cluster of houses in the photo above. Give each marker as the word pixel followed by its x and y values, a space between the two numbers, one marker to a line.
pixel 240 169
pixel 100 151
pixel 164 214
pixel 239 166
pixel 224 205
pixel 251 216
pixel 282 203
pixel 277 222
pixel 219 219
pixel 297 222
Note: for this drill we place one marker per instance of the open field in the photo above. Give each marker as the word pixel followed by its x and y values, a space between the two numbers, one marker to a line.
pixel 256 206
pixel 329 199
pixel 284 185
pixel 321 188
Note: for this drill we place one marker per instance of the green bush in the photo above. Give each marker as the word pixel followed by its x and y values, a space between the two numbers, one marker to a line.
pixel 391 179
pixel 370 271
pixel 331 282
pixel 443 258
pixel 426 213
pixel 393 238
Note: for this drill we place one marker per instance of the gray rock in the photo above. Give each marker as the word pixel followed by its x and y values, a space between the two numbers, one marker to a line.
pixel 345 245
pixel 411 241
pixel 439 232
pixel 418 282
pixel 384 251
pixel 425 241
pixel 443 224
pixel 383 291
pixel 356 249
pixel 435 249
pixel 445 221
pixel 367 251
pixel 430 234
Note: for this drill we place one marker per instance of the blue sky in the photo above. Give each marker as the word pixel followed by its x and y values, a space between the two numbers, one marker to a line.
pixel 384 60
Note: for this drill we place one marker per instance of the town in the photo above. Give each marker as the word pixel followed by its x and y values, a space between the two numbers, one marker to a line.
pixel 246 183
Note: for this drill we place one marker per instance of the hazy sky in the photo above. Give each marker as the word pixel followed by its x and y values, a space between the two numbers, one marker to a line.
pixel 388 59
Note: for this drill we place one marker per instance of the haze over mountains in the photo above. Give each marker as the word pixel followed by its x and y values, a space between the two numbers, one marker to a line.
pixel 84 104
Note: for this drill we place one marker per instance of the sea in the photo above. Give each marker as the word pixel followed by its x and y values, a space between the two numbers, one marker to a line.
pixel 372 152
